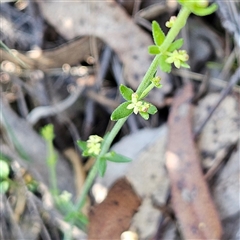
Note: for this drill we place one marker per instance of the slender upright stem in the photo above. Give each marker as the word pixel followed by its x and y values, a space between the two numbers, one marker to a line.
pixel 52 161
pixel 175 29
pixel 173 32
pixel 148 76
pixel 94 170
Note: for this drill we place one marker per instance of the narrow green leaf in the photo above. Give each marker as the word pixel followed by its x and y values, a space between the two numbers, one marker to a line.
pixel 121 111
pixel 73 215
pixel 83 218
pixel 164 66
pixel 175 45
pixel 82 145
pixel 184 65
pixel 158 34
pixel 153 49
pixel 115 157
pixel 152 109
pixel 126 92
pixel 144 115
pixel 102 166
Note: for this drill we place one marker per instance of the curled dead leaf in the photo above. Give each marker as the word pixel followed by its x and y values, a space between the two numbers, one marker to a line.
pixel 112 217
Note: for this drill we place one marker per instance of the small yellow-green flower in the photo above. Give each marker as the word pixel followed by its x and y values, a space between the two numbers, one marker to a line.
pixel 94 148
pixel 170 23
pixel 156 82
pixel 94 144
pixel 144 107
pixel 65 196
pixel 135 105
pixel 177 57
pixel 94 139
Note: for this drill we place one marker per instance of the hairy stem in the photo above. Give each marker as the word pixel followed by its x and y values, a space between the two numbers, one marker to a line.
pixel 51 161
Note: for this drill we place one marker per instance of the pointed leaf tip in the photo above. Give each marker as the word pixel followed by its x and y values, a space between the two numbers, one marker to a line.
pixel 102 167
pixel 115 157
pixel 126 92
pixel 158 34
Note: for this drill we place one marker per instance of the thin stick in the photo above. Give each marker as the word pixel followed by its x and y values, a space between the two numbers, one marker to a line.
pixel 223 94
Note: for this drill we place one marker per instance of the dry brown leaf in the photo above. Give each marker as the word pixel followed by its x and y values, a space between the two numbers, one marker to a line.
pixel 113 216
pixel 191 199
pixel 54 58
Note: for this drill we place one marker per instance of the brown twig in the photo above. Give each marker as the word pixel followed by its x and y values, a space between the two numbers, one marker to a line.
pixel 223 94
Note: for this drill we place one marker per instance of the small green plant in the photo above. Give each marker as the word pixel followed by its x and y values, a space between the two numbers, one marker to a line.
pixel 92 148
pixel 63 201
pixel 48 134
pixel 167 52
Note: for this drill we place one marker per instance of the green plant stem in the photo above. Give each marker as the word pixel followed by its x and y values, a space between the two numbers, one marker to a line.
pixel 94 170
pixel 175 29
pixel 51 161
pixel 148 76
pixel 146 91
pixel 172 34
pixel 145 85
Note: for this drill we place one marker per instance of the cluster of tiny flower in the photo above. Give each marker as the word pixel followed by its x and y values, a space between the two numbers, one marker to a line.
pixel 94 144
